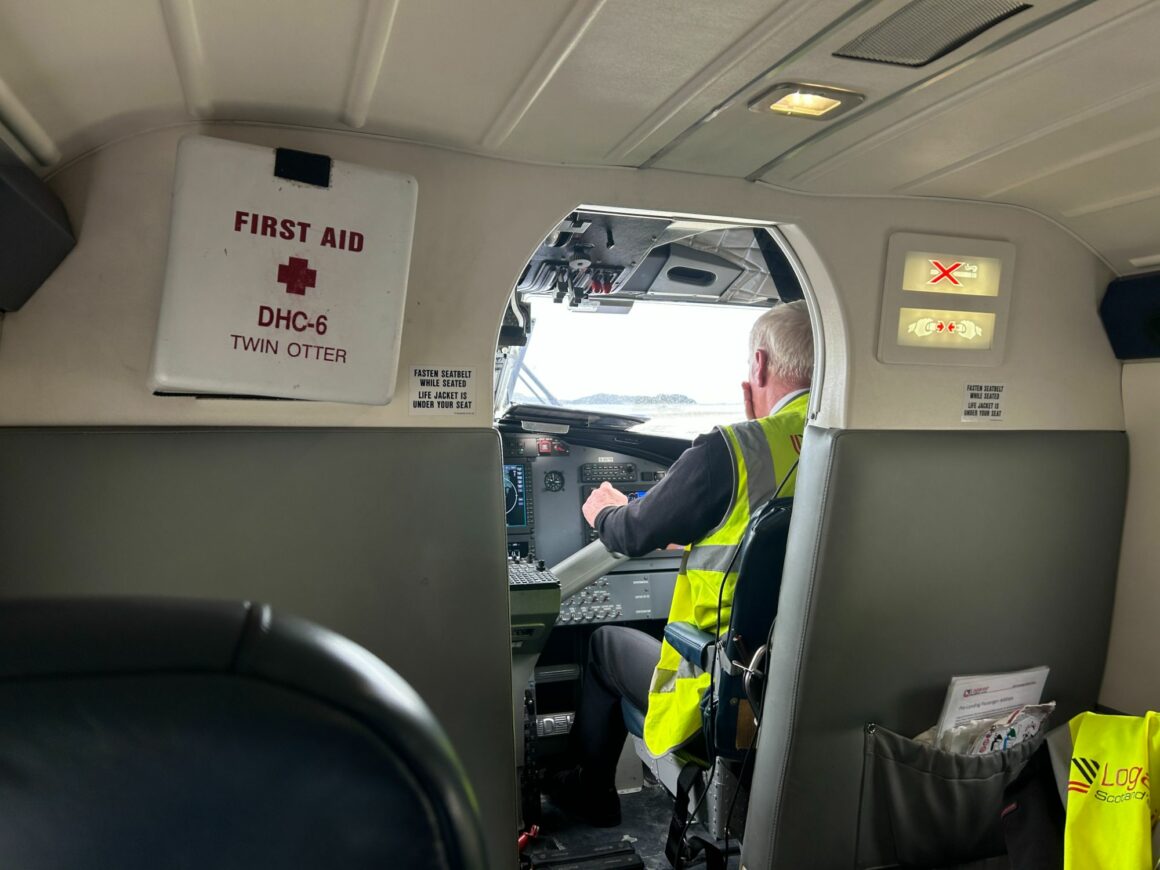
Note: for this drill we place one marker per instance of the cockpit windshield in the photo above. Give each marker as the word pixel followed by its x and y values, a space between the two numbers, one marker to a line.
pixel 678 365
pixel 637 321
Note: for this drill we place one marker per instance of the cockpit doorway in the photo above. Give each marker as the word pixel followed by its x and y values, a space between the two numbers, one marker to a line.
pixel 626 337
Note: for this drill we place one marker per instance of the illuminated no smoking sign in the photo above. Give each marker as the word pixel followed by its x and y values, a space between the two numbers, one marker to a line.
pixel 286 277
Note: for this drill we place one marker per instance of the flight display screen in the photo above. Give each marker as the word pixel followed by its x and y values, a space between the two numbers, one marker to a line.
pixel 515 495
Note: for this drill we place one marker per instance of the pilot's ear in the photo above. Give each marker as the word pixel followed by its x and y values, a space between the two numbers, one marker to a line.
pixel 759 368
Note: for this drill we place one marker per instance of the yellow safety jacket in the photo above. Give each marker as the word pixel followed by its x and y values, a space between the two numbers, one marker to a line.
pixel 762 452
pixel 1111 805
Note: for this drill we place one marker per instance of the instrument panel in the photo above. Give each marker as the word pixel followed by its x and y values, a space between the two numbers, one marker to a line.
pixel 546 481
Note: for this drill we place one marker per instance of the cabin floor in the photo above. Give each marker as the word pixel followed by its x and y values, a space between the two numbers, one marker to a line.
pixel 644 824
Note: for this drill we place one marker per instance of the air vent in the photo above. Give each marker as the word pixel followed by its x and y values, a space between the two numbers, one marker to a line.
pixel 925 30
pixel 680 272
pixel 692 277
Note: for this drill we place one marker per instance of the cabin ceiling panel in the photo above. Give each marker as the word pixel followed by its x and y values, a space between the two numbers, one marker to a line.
pixel 1065 121
pixel 449 70
pixel 263 63
pixel 1056 108
pixel 771 51
pixel 78 73
pixel 1005 170
pixel 1007 97
pixel 1098 186
pixel 1125 231
pixel 737 140
pixel 783 27
pixel 632 59
pixel 898 126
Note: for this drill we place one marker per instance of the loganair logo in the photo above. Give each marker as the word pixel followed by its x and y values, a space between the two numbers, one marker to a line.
pixel 1088 769
pixel 796 441
pixel 1108 785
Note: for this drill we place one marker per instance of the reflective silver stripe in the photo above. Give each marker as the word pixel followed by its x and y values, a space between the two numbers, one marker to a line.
pixel 711 557
pixel 687 670
pixel 663 681
pixel 733 493
pixel 758 458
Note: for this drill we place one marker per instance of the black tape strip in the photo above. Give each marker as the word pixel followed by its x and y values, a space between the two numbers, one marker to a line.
pixel 302 166
pixel 780 270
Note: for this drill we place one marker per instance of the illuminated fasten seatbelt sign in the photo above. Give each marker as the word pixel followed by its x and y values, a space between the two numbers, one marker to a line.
pixel 935 327
pixel 287 275
pixel 945 300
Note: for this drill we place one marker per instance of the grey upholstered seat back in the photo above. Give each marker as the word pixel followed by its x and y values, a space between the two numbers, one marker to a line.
pixel 915 556
pixel 160 732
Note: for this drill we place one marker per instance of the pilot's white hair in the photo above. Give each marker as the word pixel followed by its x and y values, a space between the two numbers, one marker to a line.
pixel 785 334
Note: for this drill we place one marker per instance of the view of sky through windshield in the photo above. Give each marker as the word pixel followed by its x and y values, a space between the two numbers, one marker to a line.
pixel 680 365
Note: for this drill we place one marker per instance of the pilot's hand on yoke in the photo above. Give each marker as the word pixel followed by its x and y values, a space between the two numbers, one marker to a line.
pixel 604 496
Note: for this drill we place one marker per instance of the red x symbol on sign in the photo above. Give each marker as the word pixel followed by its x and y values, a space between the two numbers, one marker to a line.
pixel 947 272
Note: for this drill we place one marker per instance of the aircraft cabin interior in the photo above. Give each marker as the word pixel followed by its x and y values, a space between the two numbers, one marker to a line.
pixel 317 319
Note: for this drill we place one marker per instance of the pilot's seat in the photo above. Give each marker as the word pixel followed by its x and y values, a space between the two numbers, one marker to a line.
pixel 144 733
pixel 708 775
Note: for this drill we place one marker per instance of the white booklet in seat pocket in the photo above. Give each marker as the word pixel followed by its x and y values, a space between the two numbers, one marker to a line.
pixel 987 696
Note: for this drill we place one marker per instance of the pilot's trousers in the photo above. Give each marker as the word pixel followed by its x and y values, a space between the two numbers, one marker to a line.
pixel 620 664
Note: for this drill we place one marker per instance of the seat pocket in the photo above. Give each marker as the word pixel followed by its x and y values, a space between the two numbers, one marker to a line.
pixel 923 807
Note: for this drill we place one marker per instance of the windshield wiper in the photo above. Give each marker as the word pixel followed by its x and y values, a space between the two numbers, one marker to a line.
pixel 539 392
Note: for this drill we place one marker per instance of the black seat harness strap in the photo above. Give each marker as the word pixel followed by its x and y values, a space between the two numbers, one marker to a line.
pixel 675 849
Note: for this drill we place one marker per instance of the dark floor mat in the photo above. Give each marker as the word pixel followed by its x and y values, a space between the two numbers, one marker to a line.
pixel 644 823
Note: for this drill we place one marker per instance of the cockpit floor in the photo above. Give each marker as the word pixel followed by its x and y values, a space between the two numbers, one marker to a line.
pixel 644 823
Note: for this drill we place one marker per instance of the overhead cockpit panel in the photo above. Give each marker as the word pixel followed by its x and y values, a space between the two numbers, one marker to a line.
pixel 590 254
pixel 597 260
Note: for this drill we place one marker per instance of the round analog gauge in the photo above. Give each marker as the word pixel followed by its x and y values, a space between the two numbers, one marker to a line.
pixel 553 481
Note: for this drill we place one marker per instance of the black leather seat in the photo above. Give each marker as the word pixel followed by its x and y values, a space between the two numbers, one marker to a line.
pixel 163 733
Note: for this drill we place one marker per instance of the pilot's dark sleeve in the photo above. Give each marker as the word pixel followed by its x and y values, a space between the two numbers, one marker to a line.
pixel 688 503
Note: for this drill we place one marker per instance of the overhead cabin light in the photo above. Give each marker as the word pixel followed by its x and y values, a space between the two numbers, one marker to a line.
pixel 806 101
pixel 797 103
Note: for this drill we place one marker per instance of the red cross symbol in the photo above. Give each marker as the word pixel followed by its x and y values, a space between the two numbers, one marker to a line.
pixel 296 275
pixel 947 272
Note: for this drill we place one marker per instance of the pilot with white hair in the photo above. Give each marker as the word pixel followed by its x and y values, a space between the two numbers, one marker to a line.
pixel 704 502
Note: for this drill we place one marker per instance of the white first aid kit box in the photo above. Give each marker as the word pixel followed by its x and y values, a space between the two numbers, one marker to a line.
pixel 287 275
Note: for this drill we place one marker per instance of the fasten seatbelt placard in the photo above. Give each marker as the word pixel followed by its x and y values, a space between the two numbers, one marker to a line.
pixel 283 282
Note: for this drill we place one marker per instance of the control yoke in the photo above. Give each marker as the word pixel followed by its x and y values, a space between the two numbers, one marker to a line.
pixel 585 567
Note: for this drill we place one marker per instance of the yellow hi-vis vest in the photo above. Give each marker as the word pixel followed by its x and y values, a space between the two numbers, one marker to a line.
pixel 1111 805
pixel 763 451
